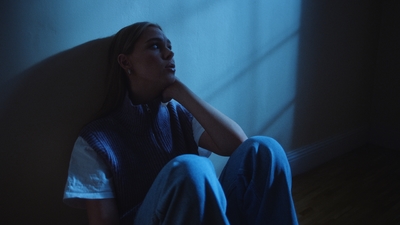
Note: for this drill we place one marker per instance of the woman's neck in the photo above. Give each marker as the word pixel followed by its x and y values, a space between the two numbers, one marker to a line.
pixel 142 92
pixel 138 97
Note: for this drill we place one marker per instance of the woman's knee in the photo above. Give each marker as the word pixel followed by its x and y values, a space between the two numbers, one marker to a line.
pixel 191 165
pixel 196 174
pixel 261 143
pixel 264 150
pixel 265 141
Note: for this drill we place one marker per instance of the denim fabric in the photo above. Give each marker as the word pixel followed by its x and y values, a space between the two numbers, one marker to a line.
pixel 257 183
pixel 254 188
pixel 186 191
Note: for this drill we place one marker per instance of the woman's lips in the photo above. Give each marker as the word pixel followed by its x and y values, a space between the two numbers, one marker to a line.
pixel 170 67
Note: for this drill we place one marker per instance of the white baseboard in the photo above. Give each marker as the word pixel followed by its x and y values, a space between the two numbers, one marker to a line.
pixel 311 156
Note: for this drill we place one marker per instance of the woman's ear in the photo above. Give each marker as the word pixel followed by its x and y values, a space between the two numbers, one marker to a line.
pixel 124 62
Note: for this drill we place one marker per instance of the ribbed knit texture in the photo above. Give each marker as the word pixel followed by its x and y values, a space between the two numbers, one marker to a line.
pixel 136 142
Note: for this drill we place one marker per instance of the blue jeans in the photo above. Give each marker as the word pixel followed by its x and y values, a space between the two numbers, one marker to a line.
pixel 254 188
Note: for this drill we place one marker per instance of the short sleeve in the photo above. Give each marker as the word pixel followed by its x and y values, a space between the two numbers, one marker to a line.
pixel 197 132
pixel 88 176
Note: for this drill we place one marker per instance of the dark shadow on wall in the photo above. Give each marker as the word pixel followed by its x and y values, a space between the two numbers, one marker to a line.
pixel 338 45
pixel 385 116
pixel 43 110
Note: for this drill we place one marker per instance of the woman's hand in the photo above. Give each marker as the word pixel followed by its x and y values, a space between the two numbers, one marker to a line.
pixel 222 135
pixel 172 91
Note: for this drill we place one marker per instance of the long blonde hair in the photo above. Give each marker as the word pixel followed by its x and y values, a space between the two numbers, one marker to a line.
pixel 123 42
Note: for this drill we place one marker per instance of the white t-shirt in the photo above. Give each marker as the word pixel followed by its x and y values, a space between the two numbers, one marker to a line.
pixel 90 178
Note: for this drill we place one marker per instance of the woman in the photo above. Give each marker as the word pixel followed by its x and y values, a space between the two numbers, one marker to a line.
pixel 139 162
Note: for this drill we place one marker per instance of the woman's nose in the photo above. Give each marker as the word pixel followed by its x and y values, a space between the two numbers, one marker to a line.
pixel 168 53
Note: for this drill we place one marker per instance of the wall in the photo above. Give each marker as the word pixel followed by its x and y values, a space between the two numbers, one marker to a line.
pixel 338 47
pixel 237 56
pixel 299 71
pixel 337 57
pixel 386 100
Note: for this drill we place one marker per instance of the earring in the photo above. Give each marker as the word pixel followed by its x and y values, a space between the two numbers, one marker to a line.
pixel 129 72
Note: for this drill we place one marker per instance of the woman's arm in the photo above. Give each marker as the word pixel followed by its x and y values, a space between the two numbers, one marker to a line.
pixel 102 211
pixel 222 135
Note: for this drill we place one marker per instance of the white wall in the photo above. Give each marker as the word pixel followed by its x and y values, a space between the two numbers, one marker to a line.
pixel 232 53
pixel 299 71
pixel 239 56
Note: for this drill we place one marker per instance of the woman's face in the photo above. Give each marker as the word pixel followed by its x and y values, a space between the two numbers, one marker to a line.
pixel 152 61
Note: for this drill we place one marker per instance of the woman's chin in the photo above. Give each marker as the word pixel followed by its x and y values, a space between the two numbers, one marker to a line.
pixel 170 79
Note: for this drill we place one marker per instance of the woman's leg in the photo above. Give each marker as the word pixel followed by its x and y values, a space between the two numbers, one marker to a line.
pixel 257 183
pixel 186 191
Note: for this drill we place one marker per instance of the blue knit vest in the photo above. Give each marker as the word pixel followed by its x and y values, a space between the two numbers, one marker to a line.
pixel 136 141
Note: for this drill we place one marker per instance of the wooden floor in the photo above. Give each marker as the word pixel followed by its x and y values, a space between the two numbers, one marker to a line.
pixel 360 187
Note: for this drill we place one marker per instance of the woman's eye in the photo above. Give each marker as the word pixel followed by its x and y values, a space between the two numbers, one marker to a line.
pixel 159 46
pixel 155 46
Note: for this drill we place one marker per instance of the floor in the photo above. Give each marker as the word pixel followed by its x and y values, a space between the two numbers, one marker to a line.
pixel 360 187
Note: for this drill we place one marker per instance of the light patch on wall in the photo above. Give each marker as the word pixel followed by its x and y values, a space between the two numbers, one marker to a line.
pixel 245 63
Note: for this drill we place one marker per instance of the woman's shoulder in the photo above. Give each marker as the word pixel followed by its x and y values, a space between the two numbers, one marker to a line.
pixel 98 124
